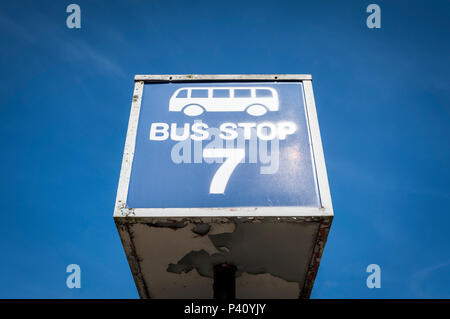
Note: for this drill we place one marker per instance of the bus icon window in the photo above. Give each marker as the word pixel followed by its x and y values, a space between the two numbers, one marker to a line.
pixel 182 94
pixel 193 101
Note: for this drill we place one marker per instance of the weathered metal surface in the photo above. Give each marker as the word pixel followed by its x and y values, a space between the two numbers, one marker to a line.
pixel 254 245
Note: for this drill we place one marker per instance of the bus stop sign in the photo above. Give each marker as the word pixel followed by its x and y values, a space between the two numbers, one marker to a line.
pixel 223 169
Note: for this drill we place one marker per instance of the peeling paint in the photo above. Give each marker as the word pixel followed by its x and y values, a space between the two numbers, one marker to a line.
pixel 169 224
pixel 319 246
pixel 201 229
pixel 255 245
pixel 256 248
pixel 200 260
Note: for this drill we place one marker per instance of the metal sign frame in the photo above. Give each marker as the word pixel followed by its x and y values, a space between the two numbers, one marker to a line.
pixel 323 214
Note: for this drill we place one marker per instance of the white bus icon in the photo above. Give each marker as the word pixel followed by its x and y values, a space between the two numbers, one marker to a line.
pixel 194 101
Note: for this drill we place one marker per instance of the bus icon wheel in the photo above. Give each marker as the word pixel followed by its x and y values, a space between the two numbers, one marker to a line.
pixel 193 110
pixel 256 110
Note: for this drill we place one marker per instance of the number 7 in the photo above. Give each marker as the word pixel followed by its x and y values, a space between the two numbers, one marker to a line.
pixel 233 157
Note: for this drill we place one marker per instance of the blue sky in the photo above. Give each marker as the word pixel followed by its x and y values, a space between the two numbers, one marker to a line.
pixel 383 104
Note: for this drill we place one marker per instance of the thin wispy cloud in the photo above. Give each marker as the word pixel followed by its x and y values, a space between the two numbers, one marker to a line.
pixel 74 49
pixel 419 278
pixel 15 29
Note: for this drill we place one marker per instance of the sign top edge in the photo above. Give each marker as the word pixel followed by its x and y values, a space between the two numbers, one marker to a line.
pixel 221 77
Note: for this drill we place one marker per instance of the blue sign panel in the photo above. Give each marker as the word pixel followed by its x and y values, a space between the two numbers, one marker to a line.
pixel 227 144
